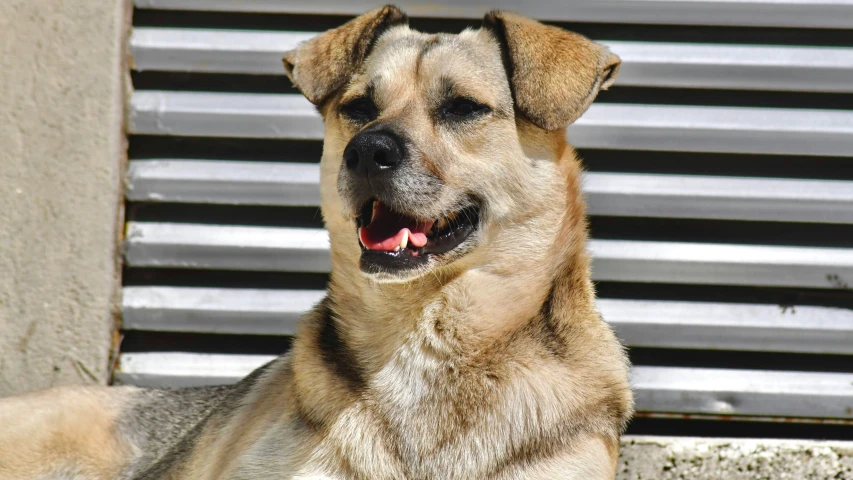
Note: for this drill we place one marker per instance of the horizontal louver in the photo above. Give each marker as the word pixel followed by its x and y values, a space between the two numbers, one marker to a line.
pixel 772 13
pixel 629 127
pixel 643 63
pixel 306 250
pixel 639 323
pixel 672 389
pixel 618 194
pixel 719 184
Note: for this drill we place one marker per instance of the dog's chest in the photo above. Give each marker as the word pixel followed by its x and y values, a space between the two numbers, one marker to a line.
pixel 419 418
pixel 426 420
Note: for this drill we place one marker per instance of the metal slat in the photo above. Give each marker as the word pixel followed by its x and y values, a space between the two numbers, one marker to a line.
pixel 706 263
pixel 773 13
pixel 214 51
pixel 730 326
pixel 748 67
pixel 727 198
pixel 216 310
pixel 619 194
pixel 615 126
pixel 177 369
pixel 242 115
pixel 639 323
pixel 715 129
pixel 817 69
pixel 743 392
pixel 222 182
pixel 656 389
pixel 306 250
pixel 227 247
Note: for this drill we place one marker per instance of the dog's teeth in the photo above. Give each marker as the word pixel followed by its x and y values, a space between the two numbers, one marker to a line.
pixel 404 241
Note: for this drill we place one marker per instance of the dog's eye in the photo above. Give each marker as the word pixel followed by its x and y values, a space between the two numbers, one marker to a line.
pixel 361 109
pixel 461 108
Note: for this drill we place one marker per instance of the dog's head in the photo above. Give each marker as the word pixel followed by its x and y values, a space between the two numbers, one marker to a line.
pixel 442 151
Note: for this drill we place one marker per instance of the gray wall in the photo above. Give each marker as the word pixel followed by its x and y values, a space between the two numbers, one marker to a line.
pixel 62 153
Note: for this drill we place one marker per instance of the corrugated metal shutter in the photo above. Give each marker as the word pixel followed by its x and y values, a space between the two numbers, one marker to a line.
pixel 720 186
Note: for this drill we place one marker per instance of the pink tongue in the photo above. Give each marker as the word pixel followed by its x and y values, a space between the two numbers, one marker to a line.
pixel 387 229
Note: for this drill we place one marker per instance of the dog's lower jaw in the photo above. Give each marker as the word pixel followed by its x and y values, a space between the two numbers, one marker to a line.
pixel 430 271
pixel 373 271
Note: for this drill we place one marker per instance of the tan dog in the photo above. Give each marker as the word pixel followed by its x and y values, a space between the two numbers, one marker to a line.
pixel 459 338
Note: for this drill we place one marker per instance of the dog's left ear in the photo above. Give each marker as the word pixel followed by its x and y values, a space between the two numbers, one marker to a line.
pixel 325 63
pixel 554 74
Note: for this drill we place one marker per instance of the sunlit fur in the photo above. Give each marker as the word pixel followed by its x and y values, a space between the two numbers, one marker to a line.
pixel 490 363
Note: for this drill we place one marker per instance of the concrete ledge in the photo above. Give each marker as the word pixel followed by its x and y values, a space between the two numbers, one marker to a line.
pixel 664 458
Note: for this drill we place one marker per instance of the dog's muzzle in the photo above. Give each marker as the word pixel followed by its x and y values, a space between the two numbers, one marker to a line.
pixel 389 192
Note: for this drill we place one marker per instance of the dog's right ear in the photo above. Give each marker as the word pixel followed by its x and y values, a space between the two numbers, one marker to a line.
pixel 322 65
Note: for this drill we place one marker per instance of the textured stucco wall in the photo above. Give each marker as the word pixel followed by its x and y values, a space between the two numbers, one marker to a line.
pixel 61 149
pixel 662 458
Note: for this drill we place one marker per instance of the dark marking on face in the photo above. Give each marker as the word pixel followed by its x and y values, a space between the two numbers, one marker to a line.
pixel 425 48
pixel 393 18
pixel 495 25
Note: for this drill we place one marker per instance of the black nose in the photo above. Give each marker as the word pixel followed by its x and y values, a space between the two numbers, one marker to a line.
pixel 369 153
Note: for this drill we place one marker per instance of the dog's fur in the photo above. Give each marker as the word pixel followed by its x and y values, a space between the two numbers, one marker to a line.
pixel 488 362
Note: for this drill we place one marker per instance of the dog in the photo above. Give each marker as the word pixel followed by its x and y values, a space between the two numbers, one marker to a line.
pixel 459 338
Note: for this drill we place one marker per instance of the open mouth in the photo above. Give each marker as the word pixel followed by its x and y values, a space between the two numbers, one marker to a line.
pixel 391 240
